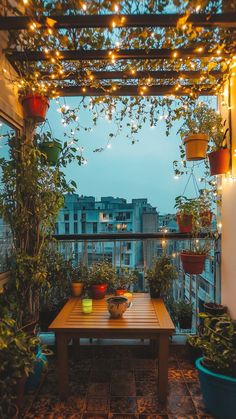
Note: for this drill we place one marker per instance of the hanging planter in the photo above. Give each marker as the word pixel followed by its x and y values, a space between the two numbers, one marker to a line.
pixel 193 263
pixel 196 146
pixel 52 151
pixel 219 161
pixel 35 107
pixel 185 223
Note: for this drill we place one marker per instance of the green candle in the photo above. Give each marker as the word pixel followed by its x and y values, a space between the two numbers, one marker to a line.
pixel 87 305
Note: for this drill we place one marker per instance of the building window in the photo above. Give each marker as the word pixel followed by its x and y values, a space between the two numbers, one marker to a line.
pixel 83 225
pixel 67 228
pixel 128 215
pixel 75 228
pixel 110 216
pixel 56 231
pixel 75 216
pixel 126 259
pixel 109 227
pixel 83 216
pixel 66 217
pixel 95 227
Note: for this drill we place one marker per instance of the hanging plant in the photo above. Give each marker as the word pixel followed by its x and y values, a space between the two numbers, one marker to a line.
pixel 219 157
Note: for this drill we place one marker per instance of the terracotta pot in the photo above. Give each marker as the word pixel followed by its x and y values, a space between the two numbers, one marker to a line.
pixel 196 146
pixel 77 288
pixel 117 306
pixel 120 291
pixel 52 150
pixel 219 161
pixel 206 218
pixel 185 223
pixel 35 107
pixel 98 291
pixel 192 263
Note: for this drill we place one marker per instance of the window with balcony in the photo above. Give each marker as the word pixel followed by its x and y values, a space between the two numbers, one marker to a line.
pixel 67 228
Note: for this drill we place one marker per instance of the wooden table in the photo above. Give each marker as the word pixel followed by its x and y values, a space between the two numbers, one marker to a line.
pixel 146 318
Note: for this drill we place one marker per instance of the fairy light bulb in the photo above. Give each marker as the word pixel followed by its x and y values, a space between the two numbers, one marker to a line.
pixel 116 8
pixel 84 6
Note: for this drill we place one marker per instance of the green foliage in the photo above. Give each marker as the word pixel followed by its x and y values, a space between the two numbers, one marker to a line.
pixel 125 278
pixel 218 344
pixel 186 206
pixel 80 273
pixel 17 356
pixel 184 310
pixel 162 275
pixel 198 117
pixel 102 273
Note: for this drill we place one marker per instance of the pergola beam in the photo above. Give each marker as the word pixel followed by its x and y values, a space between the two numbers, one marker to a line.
pixel 122 54
pixel 130 90
pixel 223 20
pixel 126 75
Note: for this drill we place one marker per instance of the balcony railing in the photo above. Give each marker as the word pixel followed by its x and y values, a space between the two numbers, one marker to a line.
pixel 135 251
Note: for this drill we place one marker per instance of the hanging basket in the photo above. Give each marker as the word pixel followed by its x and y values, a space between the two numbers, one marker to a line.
pixel 193 263
pixel 196 146
pixel 185 223
pixel 35 107
pixel 52 150
pixel 219 161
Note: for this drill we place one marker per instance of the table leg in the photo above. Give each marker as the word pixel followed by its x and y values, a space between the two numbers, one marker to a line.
pixel 76 347
pixel 163 366
pixel 62 365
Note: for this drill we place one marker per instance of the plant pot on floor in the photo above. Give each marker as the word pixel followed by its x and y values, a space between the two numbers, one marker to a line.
pixel 218 392
pixel 35 107
pixel 98 291
pixel 185 223
pixel 185 323
pixel 52 150
pixel 193 263
pixel 219 161
pixel 196 146
pixel 77 288
pixel 215 309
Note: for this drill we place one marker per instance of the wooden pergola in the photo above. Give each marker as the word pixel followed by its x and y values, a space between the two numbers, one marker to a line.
pixel 160 82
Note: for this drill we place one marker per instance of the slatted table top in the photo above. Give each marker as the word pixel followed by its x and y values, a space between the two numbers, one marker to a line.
pixel 145 314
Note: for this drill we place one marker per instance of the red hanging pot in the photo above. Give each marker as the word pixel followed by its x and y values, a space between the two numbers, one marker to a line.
pixel 185 223
pixel 206 218
pixel 98 291
pixel 219 161
pixel 35 107
pixel 192 263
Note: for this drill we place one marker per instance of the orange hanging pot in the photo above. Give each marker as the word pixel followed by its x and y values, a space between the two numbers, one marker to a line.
pixel 196 146
pixel 219 161
pixel 185 223
pixel 35 107
pixel 193 263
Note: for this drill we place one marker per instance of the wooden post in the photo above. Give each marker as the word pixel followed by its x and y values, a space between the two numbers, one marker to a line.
pixel 62 365
pixel 163 366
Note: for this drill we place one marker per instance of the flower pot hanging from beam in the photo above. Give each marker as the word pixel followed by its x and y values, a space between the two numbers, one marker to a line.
pixel 52 151
pixel 196 146
pixel 193 264
pixel 35 107
pixel 185 223
pixel 219 161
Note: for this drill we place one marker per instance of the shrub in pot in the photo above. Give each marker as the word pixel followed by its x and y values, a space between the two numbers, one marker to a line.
pixel 17 358
pixel 50 147
pixel 35 106
pixel 219 157
pixel 186 213
pixel 193 349
pixel 217 367
pixel 80 276
pixel 214 309
pixel 101 276
pixel 184 312
pixel 124 279
pixel 161 276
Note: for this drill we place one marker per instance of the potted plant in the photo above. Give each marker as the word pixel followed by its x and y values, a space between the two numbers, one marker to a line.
pixel 80 276
pixel 161 276
pixel 195 131
pixel 184 312
pixel 124 279
pixel 217 367
pixel 49 147
pixel 204 202
pixel 214 309
pixel 101 275
pixel 193 261
pixel 186 213
pixel 17 358
pixel 219 157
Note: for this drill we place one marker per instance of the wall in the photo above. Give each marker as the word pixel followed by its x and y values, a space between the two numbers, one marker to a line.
pixel 228 259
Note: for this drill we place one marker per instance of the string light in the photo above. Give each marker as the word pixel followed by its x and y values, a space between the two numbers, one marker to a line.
pixel 84 6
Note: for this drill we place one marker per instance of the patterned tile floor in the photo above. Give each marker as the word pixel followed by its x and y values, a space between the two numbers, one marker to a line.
pixel 119 383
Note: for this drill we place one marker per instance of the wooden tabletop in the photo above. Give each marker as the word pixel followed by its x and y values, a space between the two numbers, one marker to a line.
pixel 145 314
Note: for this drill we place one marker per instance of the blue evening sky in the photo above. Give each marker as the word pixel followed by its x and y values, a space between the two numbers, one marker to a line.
pixel 142 170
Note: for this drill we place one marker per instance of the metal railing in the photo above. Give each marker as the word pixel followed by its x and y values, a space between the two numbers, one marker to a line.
pixel 135 251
